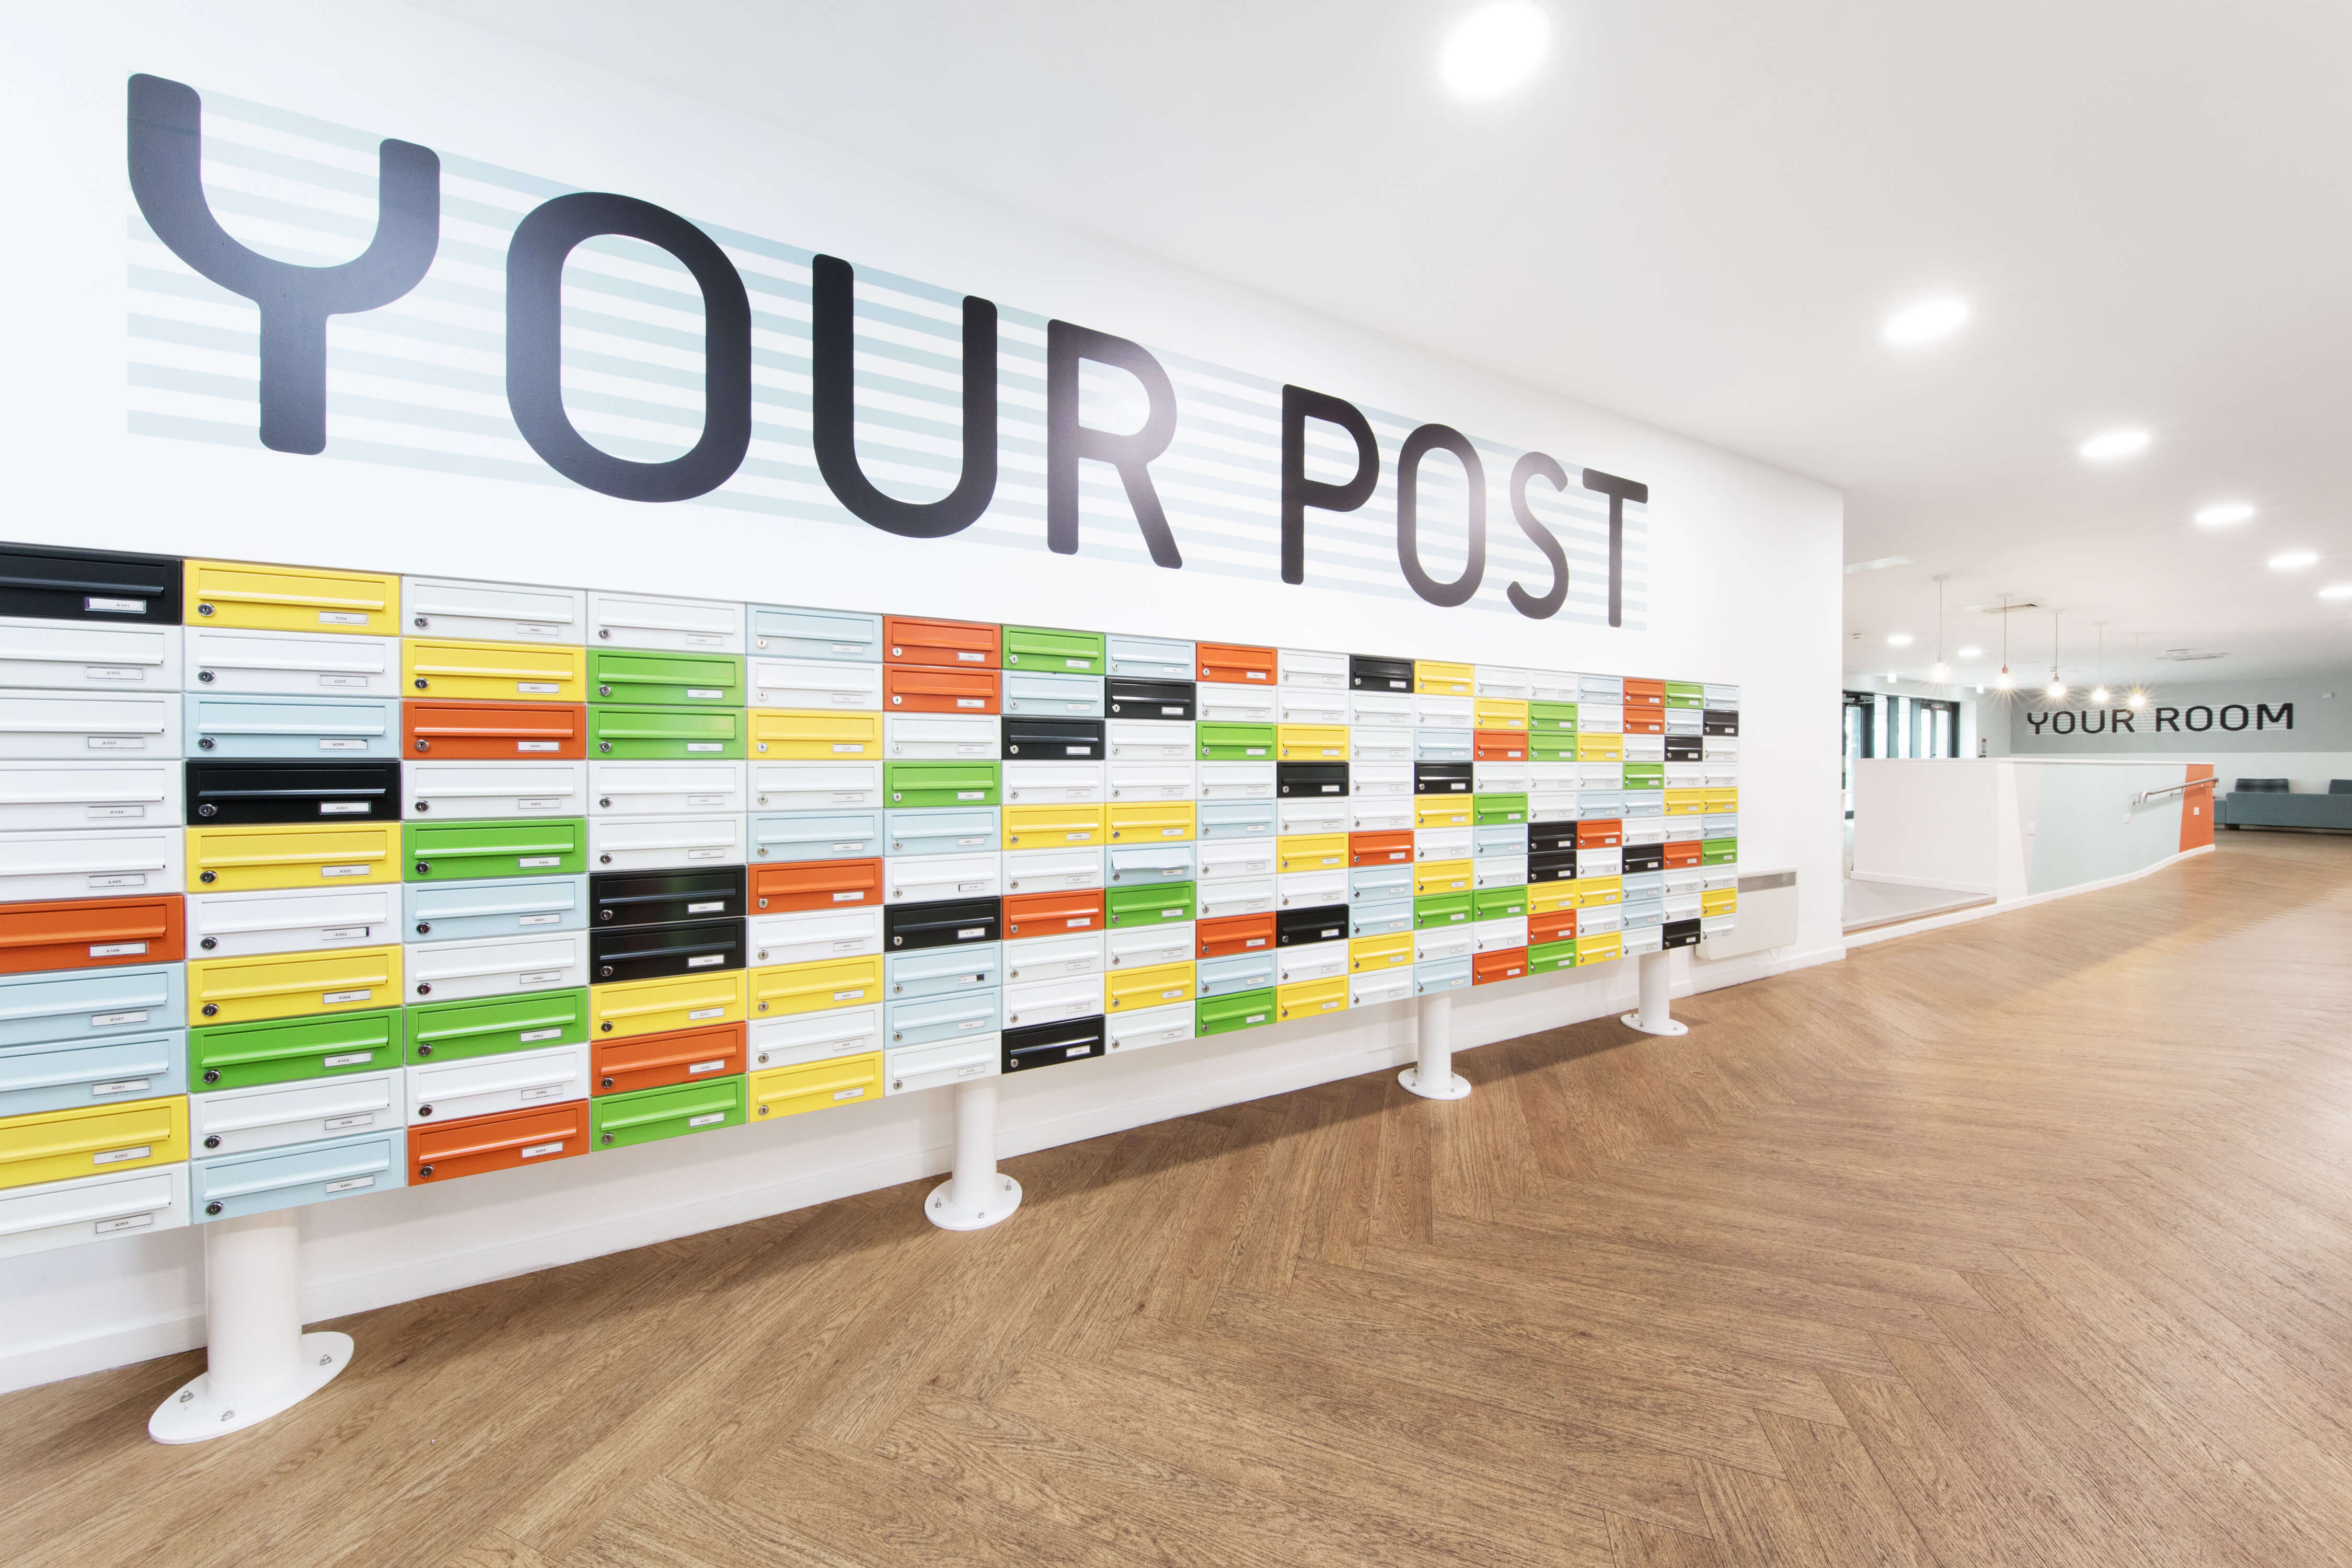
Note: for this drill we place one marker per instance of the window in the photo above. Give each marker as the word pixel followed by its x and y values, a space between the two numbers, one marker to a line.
pixel 1934 728
pixel 1861 736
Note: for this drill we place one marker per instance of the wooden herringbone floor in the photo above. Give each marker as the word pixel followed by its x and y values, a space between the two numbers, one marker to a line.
pixel 2026 1242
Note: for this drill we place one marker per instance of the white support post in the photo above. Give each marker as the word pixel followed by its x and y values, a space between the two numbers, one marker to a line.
pixel 1433 1077
pixel 258 1360
pixel 1656 1017
pixel 976 1195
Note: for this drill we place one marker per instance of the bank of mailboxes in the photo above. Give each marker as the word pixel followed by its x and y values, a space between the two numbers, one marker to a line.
pixel 317 882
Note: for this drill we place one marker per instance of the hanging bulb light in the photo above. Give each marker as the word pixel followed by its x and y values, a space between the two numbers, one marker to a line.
pixel 1939 672
pixel 2056 689
pixel 2004 680
pixel 2099 669
pixel 2138 697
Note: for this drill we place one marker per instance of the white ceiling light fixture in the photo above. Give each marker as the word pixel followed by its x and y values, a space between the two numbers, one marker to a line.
pixel 2099 670
pixel 1925 321
pixel 2138 697
pixel 2336 591
pixel 2292 560
pixel 1900 640
pixel 2004 680
pixel 2112 445
pixel 1493 49
pixel 2056 689
pixel 1970 652
pixel 2224 514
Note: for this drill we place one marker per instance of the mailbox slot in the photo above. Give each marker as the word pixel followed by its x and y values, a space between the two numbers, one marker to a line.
pixel 115 587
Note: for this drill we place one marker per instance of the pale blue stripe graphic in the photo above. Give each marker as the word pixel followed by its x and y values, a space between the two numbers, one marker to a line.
pixel 1219 479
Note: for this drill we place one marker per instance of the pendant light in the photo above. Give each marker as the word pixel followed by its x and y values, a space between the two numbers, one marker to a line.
pixel 2099 668
pixel 2056 689
pixel 2138 697
pixel 2004 680
pixel 1939 673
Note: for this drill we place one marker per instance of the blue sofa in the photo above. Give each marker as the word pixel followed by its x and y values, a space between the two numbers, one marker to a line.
pixel 2267 802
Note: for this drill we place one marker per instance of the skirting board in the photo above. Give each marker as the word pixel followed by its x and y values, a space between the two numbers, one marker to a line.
pixel 1356 1045
pixel 1918 882
pixel 1980 911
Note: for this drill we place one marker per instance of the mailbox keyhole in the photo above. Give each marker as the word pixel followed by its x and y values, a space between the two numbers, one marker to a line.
pixel 206 676
pixel 424 1050
pixel 423 1170
pixel 424 745
pixel 212 1207
pixel 423 1111
pixel 211 1009
pixel 212 1142
pixel 204 742
pixel 212 1075
pixel 209 943
pixel 422 683
pixel 424 927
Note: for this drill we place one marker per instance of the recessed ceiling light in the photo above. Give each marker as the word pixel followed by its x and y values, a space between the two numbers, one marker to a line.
pixel 2109 445
pixel 1493 49
pixel 1900 640
pixel 2223 515
pixel 2292 560
pixel 1972 653
pixel 2336 591
pixel 1925 321
pixel 1881 564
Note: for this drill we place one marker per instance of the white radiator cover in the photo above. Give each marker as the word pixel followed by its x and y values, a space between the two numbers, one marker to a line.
pixel 1768 916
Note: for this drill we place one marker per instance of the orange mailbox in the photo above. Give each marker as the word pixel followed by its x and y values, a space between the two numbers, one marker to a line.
pixel 1559 925
pixel 816 885
pixel 1645 720
pixel 498 1142
pixel 928 689
pixel 1053 914
pixel 958 645
pixel 1681 852
pixel 1508 963
pixel 656 1062
pixel 1233 664
pixel 1603 833
pixel 507 731
pixel 1388 848
pixel 1642 694
pixel 1499 745
pixel 91 933
pixel 1230 934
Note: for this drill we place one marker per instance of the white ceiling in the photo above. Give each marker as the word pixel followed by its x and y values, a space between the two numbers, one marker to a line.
pixel 1699 213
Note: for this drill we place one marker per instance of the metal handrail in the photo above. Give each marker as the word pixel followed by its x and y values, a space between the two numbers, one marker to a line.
pixel 2148 794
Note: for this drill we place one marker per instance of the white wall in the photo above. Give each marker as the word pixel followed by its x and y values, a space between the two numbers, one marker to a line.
pixel 1745 566
pixel 2020 830
pixel 1926 824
